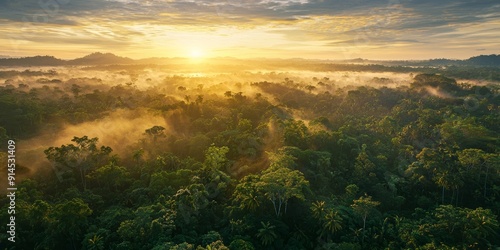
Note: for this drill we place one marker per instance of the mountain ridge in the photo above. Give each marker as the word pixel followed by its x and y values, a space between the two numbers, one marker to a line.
pixel 99 58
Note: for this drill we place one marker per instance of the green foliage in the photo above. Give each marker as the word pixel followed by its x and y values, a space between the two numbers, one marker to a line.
pixel 410 167
pixel 295 134
pixel 68 222
pixel 79 158
pixel 364 206
pixel 246 194
pixel 279 183
pixel 94 241
pixel 241 244
pixel 436 81
pixel 150 224
pixel 451 227
pixel 266 233
pixel 215 157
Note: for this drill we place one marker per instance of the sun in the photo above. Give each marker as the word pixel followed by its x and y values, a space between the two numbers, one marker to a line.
pixel 196 53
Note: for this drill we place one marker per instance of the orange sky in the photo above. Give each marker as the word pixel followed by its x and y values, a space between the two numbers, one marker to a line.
pixel 323 29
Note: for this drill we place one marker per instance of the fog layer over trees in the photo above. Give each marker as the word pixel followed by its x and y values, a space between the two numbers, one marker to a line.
pixel 144 157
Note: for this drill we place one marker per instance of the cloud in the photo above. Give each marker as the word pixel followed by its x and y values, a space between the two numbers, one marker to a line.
pixel 322 23
pixel 415 13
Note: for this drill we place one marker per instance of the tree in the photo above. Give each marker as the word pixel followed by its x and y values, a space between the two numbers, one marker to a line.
pixel 318 209
pixel 110 179
pixel 137 156
pixel 295 133
pixel 215 180
pixel 76 89
pixel 150 224
pixel 241 244
pixel 364 169
pixel 481 224
pixel 330 218
pixel 246 193
pixel 69 222
pixel 477 163
pixel 464 227
pixel 466 132
pixel 310 88
pixel 439 165
pixel 215 157
pixel 94 241
pixel 364 206
pixel 266 233
pixel 189 201
pixel 79 158
pixel 279 184
pixel 217 245
pixel 332 221
pixel 436 81
pixel 155 132
pixel 199 99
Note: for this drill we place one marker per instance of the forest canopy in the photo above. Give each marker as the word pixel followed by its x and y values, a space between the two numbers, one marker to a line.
pixel 149 159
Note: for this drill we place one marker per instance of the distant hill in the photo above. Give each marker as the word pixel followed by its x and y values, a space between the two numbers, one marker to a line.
pixel 489 60
pixel 32 61
pixel 92 59
pixel 482 60
pixel 100 59
pixel 443 61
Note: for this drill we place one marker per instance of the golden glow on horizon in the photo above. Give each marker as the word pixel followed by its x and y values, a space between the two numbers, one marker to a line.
pixel 397 31
pixel 196 53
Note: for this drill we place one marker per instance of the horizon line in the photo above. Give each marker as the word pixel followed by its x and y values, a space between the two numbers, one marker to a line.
pixel 3 56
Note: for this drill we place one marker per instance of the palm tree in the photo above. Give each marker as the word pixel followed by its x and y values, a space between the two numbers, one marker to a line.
pixel 333 221
pixel 330 219
pixel 266 234
pixel 318 209
pixel 96 243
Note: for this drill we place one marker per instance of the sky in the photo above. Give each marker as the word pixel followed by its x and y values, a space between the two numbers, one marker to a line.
pixel 320 29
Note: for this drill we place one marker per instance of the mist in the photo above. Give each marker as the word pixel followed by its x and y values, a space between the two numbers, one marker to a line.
pixel 121 121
